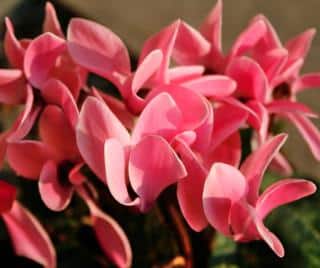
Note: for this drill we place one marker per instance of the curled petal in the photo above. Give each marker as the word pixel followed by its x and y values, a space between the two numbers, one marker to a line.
pixel 51 22
pixel 55 195
pixel 281 193
pixel 27 158
pixel 256 164
pixel 190 46
pixel 12 86
pixel 28 237
pixel 153 166
pixel 41 57
pixel 96 124
pixel 224 186
pixel 214 86
pixel 98 49
pixel 7 196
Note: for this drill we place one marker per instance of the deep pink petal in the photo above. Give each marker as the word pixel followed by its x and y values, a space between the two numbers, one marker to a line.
pixel 7 196
pixel 307 81
pixel 190 189
pixel 12 47
pixel 27 158
pixel 255 165
pixel 12 86
pixel 309 132
pixel 251 80
pixel 98 49
pixel 214 86
pixel 28 237
pixel 41 57
pixel 56 132
pixel 116 172
pixel 190 46
pixel 96 124
pixel 55 195
pixel 51 23
pixel 160 117
pixel 224 186
pixel 153 166
pixel 111 237
pixel 286 106
pixel 163 40
pixel 281 193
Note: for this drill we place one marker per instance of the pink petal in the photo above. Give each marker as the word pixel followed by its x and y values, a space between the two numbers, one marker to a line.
pixel 248 38
pixel 180 74
pixel 55 92
pixel 299 46
pixel 280 165
pixel 75 176
pixel 255 165
pixel 190 189
pixel 27 158
pixel 51 22
pixel 160 117
pixel 308 131
pixel 7 196
pixel 56 132
pixel 307 81
pixel 224 186
pixel 12 86
pixel 116 168
pixel 281 193
pixel 96 124
pixel 12 47
pixel 41 56
pixel 111 237
pixel 98 49
pixel 251 81
pixel 190 46
pixel 214 86
pixel 286 106
pixel 153 166
pixel 163 40
pixel 28 237
pixel 54 194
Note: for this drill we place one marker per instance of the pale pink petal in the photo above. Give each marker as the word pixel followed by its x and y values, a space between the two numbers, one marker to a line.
pixel 51 22
pixel 56 132
pixel 98 49
pixel 12 86
pixel 212 86
pixel 29 238
pixel 111 237
pixel 190 46
pixel 281 193
pixel 96 124
pixel 41 56
pixel 309 132
pixel 248 38
pixel 281 165
pixel 153 166
pixel 116 172
pixel 286 106
pixel 255 165
pixel 163 40
pixel 224 186
pixel 54 194
pixel 12 47
pixel 180 74
pixel 251 80
pixel 307 81
pixel 55 92
pixel 7 196
pixel 27 158
pixel 160 117
pixel 190 189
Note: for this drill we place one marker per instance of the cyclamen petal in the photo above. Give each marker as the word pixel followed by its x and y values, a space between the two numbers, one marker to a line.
pixel 29 237
pixel 7 196
pixel 51 22
pixel 12 86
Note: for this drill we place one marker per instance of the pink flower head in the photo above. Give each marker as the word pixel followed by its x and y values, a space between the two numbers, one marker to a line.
pixel 231 199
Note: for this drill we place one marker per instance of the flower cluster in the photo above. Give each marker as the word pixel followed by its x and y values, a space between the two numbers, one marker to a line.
pixel 174 125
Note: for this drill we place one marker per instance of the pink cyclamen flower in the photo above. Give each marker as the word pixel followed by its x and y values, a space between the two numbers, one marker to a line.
pixel 232 202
